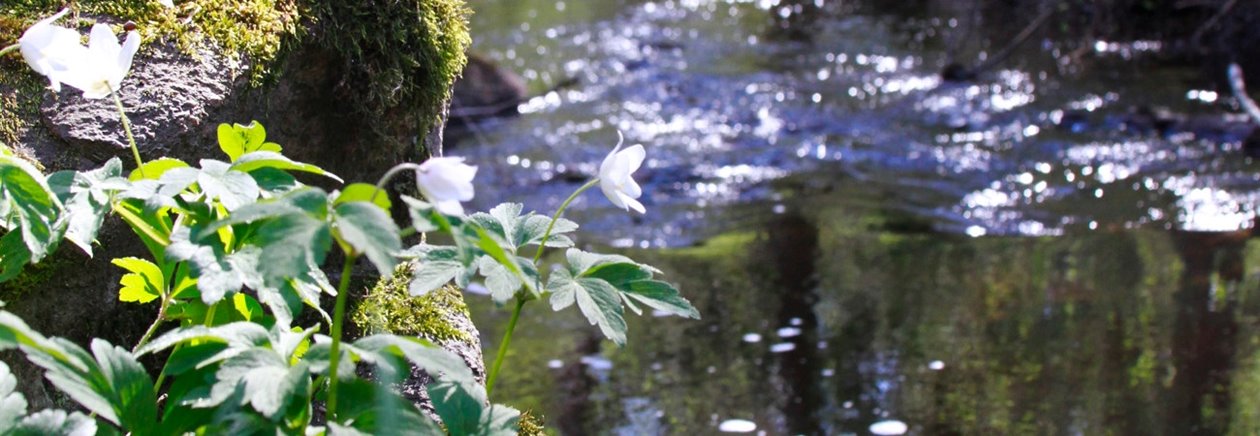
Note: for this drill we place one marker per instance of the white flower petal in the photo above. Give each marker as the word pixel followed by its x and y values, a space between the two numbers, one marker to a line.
pixel 449 207
pixel 615 177
pixel 634 204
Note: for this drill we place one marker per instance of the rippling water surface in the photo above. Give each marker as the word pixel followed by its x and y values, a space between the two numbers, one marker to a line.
pixel 1051 247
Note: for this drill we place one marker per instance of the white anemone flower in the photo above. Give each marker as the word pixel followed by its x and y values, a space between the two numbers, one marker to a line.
pixel 97 69
pixel 106 64
pixel 51 50
pixel 446 181
pixel 615 180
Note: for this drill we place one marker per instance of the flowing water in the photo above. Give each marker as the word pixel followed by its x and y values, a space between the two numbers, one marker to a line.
pixel 1039 250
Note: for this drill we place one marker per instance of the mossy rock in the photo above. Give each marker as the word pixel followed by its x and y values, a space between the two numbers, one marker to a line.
pixel 353 87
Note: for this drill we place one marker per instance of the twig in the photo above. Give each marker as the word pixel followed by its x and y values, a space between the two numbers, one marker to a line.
pixel 1240 92
pixel 1211 22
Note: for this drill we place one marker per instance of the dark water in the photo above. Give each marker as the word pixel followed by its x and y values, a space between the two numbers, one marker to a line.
pixel 1039 250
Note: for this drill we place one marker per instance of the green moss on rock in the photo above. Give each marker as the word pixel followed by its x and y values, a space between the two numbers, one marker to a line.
pixel 530 424
pixel 400 54
pixel 389 308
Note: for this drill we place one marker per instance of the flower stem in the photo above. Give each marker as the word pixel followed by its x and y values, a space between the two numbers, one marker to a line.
pixel 503 346
pixel 543 244
pixel 126 122
pixel 9 48
pixel 339 312
pixel 161 316
pixel 380 185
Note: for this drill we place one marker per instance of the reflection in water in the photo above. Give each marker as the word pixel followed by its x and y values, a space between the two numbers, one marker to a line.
pixel 1136 332
pixel 1205 331
pixel 789 253
pixel 993 256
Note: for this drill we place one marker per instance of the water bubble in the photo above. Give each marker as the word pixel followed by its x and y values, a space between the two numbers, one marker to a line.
pixel 936 365
pixel 555 364
pixel 889 427
pixel 788 332
pixel 737 426
pixel 752 338
pixel 782 347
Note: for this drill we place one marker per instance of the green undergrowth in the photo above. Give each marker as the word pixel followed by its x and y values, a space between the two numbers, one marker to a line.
pixel 389 308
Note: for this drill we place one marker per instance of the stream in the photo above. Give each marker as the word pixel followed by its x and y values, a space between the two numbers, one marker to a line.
pixel 1058 246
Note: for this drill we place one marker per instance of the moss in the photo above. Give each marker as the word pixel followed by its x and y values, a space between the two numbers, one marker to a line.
pixel 397 54
pixel 530 424
pixel 389 308
pixel 39 275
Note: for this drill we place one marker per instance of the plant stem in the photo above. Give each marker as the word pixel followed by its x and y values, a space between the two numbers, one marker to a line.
pixel 380 185
pixel 339 312
pixel 543 244
pixel 9 48
pixel 148 334
pixel 503 346
pixel 135 151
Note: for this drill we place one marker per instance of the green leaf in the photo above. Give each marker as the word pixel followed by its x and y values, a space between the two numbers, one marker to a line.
pixel 218 274
pixel 423 215
pixel 501 282
pixel 154 169
pixel 143 283
pixel 232 188
pixel 364 192
pixel 436 361
pixel 660 296
pixel 12 404
pixel 506 222
pixel 238 335
pixel 31 203
pixel 293 245
pixel 370 231
pixel 236 140
pixel 269 159
pixel 305 201
pixel 598 300
pixel 13 255
pixel 87 197
pixel 130 388
pixel 433 274
pixel 532 228
pixel 247 307
pixel 54 422
pixel 273 181
pixel 266 379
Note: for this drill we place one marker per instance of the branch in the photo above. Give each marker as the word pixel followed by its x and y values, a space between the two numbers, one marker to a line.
pixel 1240 92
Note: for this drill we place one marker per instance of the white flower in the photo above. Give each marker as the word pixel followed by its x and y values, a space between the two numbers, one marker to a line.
pixel 446 181
pixel 55 52
pixel 51 50
pixel 615 180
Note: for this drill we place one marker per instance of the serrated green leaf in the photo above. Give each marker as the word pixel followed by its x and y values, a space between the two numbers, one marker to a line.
pixel 532 228
pixel 370 231
pixel 130 388
pixel 154 169
pixel 364 192
pixel 304 201
pixel 433 274
pixel 240 335
pixel 86 197
pixel 269 159
pixel 54 422
pixel 294 245
pixel 218 274
pixel 232 188
pixel 501 282
pixel 660 296
pixel 143 283
pixel 32 205
pixel 580 261
pixel 464 410
pixel 598 300
pixel 12 403
pixel 423 215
